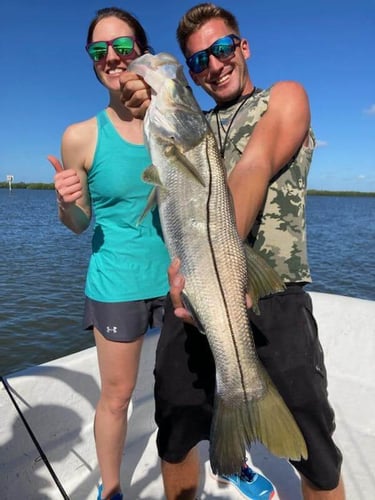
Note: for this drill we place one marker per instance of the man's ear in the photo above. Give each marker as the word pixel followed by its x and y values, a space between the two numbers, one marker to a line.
pixel 245 48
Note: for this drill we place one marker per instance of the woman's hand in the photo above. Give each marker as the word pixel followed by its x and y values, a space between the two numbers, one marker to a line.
pixel 67 182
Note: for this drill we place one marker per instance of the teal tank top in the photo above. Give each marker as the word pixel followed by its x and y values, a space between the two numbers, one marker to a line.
pixel 129 259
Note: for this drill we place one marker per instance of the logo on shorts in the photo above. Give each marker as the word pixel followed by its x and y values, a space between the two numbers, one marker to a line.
pixel 111 329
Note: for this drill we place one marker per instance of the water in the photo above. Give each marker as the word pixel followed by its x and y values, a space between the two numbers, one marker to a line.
pixel 43 266
pixel 341 245
pixel 42 272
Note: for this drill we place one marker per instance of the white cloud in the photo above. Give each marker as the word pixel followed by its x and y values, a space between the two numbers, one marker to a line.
pixel 321 144
pixel 370 110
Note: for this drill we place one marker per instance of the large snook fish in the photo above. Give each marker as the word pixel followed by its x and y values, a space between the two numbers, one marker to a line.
pixel 198 224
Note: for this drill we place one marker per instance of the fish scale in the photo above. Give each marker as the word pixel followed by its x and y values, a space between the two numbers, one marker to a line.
pixel 198 222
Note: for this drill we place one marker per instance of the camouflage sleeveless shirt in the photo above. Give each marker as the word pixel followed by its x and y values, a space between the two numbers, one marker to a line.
pixel 279 233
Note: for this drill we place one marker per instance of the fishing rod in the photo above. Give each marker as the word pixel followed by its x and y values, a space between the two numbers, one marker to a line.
pixel 35 441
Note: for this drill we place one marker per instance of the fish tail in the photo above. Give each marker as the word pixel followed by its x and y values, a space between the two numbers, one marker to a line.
pixel 267 420
pixel 228 438
pixel 275 426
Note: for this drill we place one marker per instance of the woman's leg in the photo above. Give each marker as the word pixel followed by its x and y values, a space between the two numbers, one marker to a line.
pixel 118 366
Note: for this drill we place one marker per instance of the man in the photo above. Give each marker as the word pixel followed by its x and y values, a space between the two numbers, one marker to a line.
pixel 266 141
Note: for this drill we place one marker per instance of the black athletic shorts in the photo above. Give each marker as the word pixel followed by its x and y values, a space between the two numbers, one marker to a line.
pixel 287 342
pixel 123 321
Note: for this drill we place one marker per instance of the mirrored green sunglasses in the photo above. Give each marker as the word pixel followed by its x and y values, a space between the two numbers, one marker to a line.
pixel 122 45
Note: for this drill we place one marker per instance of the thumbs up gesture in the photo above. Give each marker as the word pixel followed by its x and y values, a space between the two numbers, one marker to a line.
pixel 67 182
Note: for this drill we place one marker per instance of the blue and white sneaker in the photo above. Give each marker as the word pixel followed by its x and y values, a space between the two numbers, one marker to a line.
pixel 250 484
pixel 116 496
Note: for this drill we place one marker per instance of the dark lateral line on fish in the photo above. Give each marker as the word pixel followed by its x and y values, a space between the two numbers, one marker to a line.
pixel 217 273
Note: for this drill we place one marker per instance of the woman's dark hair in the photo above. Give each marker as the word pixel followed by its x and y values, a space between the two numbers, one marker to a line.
pixel 139 32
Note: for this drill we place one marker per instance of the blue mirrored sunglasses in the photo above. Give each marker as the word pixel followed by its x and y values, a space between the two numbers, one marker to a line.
pixel 222 49
pixel 122 45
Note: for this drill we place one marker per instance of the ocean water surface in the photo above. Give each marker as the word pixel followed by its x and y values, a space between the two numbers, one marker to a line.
pixel 43 266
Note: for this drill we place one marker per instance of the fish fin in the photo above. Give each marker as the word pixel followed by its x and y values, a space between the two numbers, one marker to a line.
pixel 262 279
pixel 266 419
pixel 151 203
pixel 184 163
pixel 272 423
pixel 150 175
pixel 189 307
pixel 227 439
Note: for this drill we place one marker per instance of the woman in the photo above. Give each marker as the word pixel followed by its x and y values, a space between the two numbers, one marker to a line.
pixel 126 282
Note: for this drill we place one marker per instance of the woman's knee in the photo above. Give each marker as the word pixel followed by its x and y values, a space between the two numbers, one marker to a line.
pixel 117 402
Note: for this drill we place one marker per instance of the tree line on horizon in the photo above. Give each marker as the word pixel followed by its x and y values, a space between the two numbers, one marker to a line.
pixel 313 192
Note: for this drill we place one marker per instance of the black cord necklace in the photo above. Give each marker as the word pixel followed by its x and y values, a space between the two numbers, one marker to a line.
pixel 219 123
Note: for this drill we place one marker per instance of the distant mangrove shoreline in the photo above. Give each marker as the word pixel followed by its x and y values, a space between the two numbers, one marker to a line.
pixel 312 192
pixel 317 192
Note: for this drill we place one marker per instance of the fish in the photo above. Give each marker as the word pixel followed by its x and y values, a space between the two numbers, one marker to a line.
pixel 197 217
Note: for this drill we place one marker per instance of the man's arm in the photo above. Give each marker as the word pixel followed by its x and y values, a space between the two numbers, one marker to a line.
pixel 276 138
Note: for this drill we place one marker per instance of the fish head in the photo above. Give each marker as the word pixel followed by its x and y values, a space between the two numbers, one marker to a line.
pixel 174 115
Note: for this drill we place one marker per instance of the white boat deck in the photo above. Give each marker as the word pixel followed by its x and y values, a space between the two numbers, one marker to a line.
pixel 58 399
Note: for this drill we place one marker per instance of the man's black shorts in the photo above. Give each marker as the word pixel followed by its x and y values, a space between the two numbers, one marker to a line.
pixel 286 338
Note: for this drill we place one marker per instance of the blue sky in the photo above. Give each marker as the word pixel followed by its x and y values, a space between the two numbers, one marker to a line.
pixel 47 80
